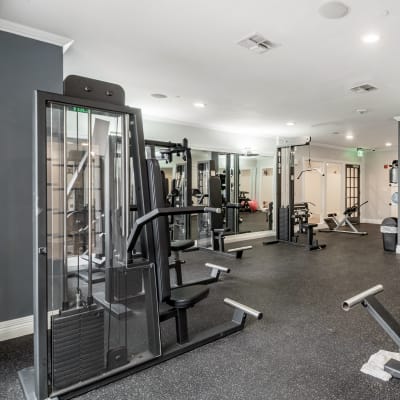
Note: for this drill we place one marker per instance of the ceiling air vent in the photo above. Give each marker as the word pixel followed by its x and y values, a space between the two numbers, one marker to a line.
pixel 257 43
pixel 366 87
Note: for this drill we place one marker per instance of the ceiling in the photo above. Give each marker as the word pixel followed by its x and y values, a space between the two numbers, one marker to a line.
pixel 188 50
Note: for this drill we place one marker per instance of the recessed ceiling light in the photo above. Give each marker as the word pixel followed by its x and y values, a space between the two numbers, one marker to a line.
pixel 349 136
pixel 290 123
pixel 370 38
pixel 388 144
pixel 199 104
pixel 159 95
pixel 334 10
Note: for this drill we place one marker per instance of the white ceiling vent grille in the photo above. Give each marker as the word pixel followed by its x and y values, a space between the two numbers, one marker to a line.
pixel 366 87
pixel 257 43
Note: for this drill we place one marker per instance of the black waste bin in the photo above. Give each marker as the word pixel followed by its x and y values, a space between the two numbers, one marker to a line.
pixel 389 233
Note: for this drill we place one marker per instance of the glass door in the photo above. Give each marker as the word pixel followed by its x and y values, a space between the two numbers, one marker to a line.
pixel 352 192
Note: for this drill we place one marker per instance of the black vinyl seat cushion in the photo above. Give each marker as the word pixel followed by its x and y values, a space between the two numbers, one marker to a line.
pixel 310 225
pixel 180 245
pixel 185 297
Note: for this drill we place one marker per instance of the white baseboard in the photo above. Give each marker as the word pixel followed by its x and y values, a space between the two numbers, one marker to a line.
pixel 20 326
pixel 16 327
pixel 371 221
pixel 248 236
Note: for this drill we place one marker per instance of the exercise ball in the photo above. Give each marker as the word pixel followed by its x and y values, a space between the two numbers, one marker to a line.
pixel 253 205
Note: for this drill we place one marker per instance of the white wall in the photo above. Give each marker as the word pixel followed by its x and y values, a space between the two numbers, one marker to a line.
pixel 265 185
pixel 247 178
pixel 378 191
pixel 334 179
pixel 325 154
pixel 207 139
pixel 374 178
pixel 315 188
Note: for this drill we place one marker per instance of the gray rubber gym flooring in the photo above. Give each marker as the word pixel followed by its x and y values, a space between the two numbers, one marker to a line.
pixel 306 347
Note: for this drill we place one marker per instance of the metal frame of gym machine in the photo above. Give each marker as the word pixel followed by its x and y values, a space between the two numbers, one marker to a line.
pixel 144 243
pixel 284 216
pixel 183 148
pixel 232 172
pixel 209 184
pixel 383 318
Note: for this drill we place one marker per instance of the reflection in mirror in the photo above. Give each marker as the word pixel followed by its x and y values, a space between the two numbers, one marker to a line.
pixel 175 161
pixel 246 184
pixel 244 188
pixel 256 193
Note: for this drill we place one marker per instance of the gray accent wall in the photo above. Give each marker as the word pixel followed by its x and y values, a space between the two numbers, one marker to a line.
pixel 25 65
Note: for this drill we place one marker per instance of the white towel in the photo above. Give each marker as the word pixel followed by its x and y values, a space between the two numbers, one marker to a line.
pixel 375 364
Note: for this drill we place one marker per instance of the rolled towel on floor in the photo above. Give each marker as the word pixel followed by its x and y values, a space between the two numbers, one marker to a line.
pixel 375 364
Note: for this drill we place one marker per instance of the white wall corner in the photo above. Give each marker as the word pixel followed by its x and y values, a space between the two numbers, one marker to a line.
pixel 36 34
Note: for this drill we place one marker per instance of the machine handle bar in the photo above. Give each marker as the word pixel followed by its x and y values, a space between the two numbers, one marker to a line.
pixel 159 212
pixel 246 309
pixel 358 298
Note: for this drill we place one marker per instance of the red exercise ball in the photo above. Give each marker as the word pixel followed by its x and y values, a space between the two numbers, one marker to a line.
pixel 253 205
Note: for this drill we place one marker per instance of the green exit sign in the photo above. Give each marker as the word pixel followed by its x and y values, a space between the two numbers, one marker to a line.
pixel 80 109
pixel 360 152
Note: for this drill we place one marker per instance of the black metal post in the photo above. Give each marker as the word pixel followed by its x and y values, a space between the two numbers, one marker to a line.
pixel 278 201
pixel 189 185
pixel 291 193
pixel 228 179
pixel 182 333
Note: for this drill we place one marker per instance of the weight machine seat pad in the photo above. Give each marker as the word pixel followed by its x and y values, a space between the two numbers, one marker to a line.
pixel 180 245
pixel 332 215
pixel 310 225
pixel 185 297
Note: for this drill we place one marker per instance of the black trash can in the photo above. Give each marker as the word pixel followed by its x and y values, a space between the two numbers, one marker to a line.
pixel 389 233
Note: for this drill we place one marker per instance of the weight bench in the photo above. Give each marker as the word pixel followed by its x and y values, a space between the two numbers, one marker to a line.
pixel 334 225
pixel 382 316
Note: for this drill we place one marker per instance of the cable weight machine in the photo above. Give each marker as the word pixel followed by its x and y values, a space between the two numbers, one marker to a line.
pixel 88 333
pixel 285 201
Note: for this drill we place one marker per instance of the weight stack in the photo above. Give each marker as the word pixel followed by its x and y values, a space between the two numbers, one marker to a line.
pixel 283 221
pixel 77 345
